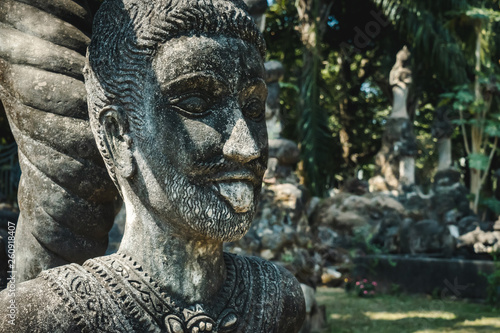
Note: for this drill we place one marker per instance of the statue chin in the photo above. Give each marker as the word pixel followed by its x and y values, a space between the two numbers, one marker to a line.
pixel 238 194
pixel 221 211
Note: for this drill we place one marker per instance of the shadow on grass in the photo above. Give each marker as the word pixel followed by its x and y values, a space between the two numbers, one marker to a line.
pixel 404 313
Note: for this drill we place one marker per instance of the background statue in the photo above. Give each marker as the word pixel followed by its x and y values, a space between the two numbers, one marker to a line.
pixel 400 79
pixel 396 158
pixel 176 97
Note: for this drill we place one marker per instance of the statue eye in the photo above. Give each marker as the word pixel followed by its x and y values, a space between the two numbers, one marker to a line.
pixel 192 104
pixel 254 109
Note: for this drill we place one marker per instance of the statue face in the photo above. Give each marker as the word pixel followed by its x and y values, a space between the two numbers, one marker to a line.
pixel 206 142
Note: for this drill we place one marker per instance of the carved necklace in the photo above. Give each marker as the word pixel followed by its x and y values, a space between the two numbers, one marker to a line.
pixel 153 311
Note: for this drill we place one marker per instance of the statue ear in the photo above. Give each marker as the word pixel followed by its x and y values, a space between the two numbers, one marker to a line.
pixel 118 141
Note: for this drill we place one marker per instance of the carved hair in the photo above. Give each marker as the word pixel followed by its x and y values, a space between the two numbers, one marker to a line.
pixel 127 35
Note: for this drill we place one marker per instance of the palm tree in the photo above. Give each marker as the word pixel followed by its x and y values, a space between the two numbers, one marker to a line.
pixel 314 135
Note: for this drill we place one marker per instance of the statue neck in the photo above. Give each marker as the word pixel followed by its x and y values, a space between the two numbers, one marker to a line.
pixel 189 270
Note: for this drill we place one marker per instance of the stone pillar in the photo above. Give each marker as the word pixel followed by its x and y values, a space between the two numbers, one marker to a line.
pixel 444 151
pixel 407 170
pixel 442 129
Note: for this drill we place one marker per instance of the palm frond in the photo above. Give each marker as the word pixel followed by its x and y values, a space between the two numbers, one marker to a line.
pixel 424 25
pixel 315 136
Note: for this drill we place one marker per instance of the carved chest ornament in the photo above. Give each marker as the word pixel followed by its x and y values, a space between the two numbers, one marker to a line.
pixel 114 294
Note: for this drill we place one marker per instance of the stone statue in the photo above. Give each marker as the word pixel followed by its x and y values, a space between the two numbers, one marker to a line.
pixel 65 195
pixel 396 157
pixel 176 97
pixel 400 79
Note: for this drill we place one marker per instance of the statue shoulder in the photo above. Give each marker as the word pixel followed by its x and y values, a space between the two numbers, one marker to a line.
pixel 33 306
pixel 63 299
pixel 294 311
pixel 281 294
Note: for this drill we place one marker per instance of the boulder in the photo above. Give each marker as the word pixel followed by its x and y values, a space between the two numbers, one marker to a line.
pixel 356 203
pixel 286 151
pixel 348 220
pixel 326 237
pixel 479 241
pixel 467 224
pixel 387 203
pixel 355 186
pixel 288 196
pixel 378 184
pixel 426 237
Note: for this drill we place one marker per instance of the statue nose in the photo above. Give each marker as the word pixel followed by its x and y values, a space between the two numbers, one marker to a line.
pixel 241 146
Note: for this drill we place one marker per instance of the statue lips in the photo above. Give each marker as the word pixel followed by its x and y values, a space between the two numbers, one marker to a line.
pixel 223 170
pixel 236 183
pixel 236 187
pixel 239 175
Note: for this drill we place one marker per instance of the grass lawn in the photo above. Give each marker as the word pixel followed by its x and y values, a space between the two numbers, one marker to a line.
pixel 404 313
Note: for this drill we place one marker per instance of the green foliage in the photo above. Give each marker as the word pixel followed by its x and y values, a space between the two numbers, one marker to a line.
pixel 478 161
pixel 492 204
pixel 395 289
pixel 473 103
pixel 427 156
pixel 346 98
pixel 283 44
pixel 358 109
pixel 287 257
pixel 362 239
pixel 313 132
pixel 424 24
pixel 340 122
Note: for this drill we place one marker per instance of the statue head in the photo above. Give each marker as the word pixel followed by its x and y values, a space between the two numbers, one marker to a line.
pixel 177 105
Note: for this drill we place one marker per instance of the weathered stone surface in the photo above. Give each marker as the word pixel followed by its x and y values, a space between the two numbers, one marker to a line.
pixel 427 237
pixel 396 158
pixel 449 194
pixel 257 8
pixel 176 95
pixel 355 186
pixel 378 184
pixel 442 129
pixel 496 225
pixel 479 241
pixel 400 80
pixel 384 202
pixel 398 142
pixel 65 195
pixel 28 19
pixel 467 224
pixel 286 151
pixel 274 72
pixel 315 314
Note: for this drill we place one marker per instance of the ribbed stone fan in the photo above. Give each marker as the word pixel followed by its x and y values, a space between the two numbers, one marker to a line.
pixel 65 195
